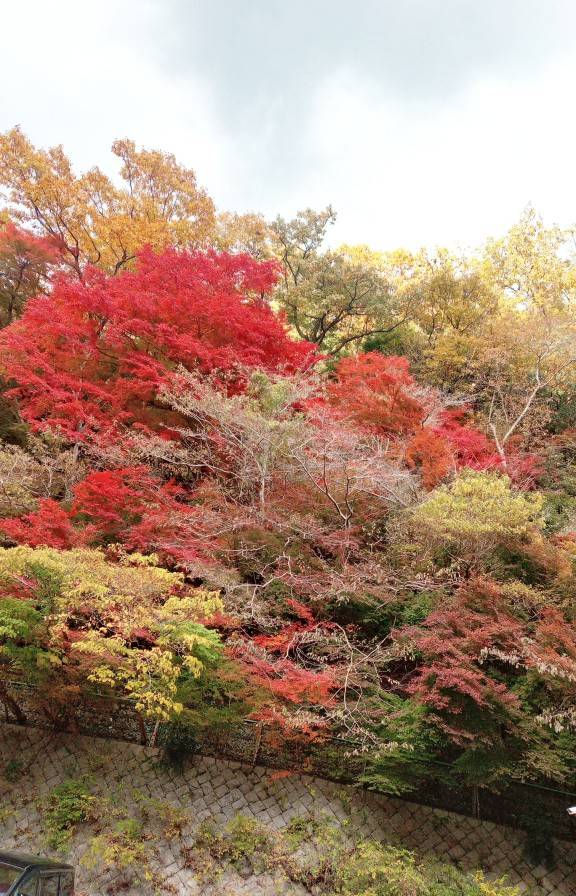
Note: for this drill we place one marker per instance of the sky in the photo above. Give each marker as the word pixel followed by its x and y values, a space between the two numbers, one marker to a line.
pixel 423 122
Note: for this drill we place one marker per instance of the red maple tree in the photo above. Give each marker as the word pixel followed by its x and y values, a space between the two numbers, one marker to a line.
pixel 96 355
pixel 26 261
pixel 375 391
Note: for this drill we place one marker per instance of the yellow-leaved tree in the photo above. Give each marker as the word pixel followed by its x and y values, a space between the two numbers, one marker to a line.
pixel 475 513
pixel 92 219
pixel 115 621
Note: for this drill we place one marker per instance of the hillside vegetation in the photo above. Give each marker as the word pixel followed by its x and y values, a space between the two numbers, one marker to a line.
pixel 242 474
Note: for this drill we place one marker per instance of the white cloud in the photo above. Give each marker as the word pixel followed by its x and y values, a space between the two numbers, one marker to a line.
pixel 399 168
pixel 86 76
pixel 413 175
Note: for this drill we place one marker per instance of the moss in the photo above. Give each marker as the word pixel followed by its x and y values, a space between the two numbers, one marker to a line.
pixel 14 770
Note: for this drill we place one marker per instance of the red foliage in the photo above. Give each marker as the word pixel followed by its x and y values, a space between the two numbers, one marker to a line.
pixel 470 447
pixel 282 641
pixel 25 263
pixel 129 506
pixel 473 449
pixel 50 526
pixel 300 610
pixel 429 452
pixel 553 649
pixel 374 389
pixel 287 681
pixel 32 249
pixel 113 500
pixel 280 775
pixel 97 354
pixel 451 642
pixel 296 685
pixel 288 638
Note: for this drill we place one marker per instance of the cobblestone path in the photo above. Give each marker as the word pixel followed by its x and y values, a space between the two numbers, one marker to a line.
pixel 217 791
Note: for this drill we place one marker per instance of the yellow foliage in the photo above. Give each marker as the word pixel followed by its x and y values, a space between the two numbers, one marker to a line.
pixel 94 220
pixel 109 601
pixel 479 506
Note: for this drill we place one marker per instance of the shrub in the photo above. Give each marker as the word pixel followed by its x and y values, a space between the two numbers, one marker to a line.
pixel 123 848
pixel 477 512
pixel 69 805
pixel 375 870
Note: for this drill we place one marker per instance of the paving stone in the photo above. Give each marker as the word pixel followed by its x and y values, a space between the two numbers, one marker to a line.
pixel 215 791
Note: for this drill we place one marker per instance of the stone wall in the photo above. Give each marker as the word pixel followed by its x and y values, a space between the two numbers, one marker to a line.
pixel 252 742
pixel 207 788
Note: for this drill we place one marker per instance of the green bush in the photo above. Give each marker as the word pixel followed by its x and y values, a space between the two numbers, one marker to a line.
pixel 375 870
pixel 123 848
pixel 69 805
pixel 335 867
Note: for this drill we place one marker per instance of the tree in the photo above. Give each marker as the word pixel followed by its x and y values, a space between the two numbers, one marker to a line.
pixel 92 357
pixel 68 618
pixel 41 471
pixel 450 677
pixel 92 220
pixel 454 295
pixel 533 265
pixel 244 440
pixel 454 302
pixel 334 299
pixel 476 512
pixel 26 262
pixel 249 233
pixel 353 472
pixel 480 661
pixel 128 506
pixel 430 453
pixel 378 392
pixel 337 519
pixel 528 360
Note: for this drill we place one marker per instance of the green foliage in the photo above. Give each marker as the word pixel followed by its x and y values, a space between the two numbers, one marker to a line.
pixel 301 828
pixel 480 506
pixel 377 618
pixel 403 340
pixel 335 868
pixel 68 805
pixel 122 848
pixel 485 765
pixel 128 593
pixel 417 606
pixel 19 621
pixel 409 744
pixel 558 511
pixel 242 841
pixel 376 870
pixel 245 839
pixel 49 580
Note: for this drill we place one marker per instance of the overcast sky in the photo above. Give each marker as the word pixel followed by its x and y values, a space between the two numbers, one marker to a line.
pixel 421 121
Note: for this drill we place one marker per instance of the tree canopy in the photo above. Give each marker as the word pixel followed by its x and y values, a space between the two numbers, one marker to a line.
pixel 331 488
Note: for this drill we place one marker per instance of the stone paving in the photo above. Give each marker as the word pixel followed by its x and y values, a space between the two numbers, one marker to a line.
pixel 217 791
